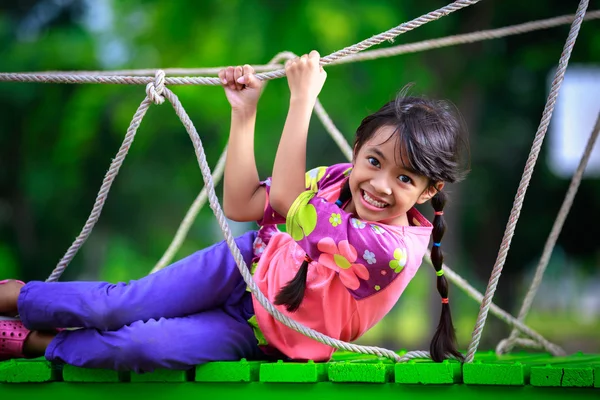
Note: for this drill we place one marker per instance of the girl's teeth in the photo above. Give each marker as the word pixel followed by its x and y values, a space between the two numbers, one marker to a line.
pixel 372 201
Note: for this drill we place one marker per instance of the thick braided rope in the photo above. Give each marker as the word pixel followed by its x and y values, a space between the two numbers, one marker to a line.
pixel 507 344
pixel 190 217
pixel 365 55
pixel 520 196
pixel 215 206
pixel 133 80
pixel 464 38
pixel 153 91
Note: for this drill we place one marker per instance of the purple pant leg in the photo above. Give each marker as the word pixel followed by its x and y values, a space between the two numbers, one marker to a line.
pixel 205 280
pixel 172 343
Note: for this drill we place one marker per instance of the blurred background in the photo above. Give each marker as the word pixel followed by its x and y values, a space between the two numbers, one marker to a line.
pixel 57 141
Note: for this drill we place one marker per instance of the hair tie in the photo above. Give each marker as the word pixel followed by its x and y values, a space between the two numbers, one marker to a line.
pixel 307 258
pixel 438 213
pixel 338 203
pixel 444 300
pixel 436 244
pixel 440 272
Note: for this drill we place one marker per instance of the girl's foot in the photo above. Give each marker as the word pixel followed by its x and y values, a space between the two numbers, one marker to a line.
pixel 36 343
pixel 9 294
pixel 12 338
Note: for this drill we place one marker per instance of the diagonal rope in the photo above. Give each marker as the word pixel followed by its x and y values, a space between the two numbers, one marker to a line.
pixel 498 312
pixel 335 134
pixel 507 344
pixel 408 48
pixel 115 165
pixel 133 80
pixel 522 189
pixel 465 38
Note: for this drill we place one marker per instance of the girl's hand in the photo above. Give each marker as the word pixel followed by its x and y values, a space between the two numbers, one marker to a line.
pixel 242 88
pixel 305 77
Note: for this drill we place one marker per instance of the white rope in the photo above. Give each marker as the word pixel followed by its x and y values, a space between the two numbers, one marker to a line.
pixel 507 344
pixel 115 165
pixel 498 312
pixel 367 55
pixel 522 189
pixel 134 80
pixel 156 90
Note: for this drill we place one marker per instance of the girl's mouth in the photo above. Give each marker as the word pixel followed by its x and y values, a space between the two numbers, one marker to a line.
pixel 371 202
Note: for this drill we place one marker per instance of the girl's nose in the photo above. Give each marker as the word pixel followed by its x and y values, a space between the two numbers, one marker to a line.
pixel 381 185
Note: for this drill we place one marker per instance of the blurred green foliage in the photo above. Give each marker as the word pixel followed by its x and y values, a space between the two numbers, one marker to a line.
pixel 56 141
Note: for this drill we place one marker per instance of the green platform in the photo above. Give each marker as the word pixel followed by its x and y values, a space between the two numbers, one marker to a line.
pixel 522 375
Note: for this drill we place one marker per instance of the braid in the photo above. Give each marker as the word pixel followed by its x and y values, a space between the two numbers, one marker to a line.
pixel 292 294
pixel 444 339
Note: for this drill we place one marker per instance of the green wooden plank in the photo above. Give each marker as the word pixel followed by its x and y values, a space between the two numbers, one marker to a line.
pixel 228 371
pixel 163 375
pixel 71 373
pixel 516 369
pixel 578 377
pixel 428 373
pixel 367 372
pixel 28 370
pixel 292 372
pixel 479 373
pixel 546 376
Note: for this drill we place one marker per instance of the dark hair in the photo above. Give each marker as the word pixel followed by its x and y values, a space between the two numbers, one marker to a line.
pixel 430 141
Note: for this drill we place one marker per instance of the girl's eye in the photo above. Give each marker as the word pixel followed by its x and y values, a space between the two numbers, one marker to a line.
pixel 373 161
pixel 405 179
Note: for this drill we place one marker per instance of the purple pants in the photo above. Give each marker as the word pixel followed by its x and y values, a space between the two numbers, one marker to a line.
pixel 192 312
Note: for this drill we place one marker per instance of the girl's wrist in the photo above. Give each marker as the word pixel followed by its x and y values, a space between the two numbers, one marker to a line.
pixel 243 111
pixel 306 100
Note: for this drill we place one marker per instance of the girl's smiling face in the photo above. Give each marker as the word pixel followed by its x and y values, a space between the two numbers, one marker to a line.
pixel 383 188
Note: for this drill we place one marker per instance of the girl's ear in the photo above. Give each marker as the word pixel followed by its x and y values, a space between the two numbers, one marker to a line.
pixel 430 192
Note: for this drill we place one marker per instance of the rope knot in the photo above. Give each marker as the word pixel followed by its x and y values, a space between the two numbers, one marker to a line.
pixel 154 90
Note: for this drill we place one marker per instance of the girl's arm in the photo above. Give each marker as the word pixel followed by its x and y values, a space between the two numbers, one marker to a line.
pixel 243 197
pixel 305 79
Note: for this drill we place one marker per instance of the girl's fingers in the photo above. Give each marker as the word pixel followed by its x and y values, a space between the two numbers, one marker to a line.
pixel 247 77
pixel 238 73
pixel 229 77
pixel 247 69
pixel 222 77
pixel 314 58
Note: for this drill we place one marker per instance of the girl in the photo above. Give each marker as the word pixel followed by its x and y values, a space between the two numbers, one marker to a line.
pixel 353 243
